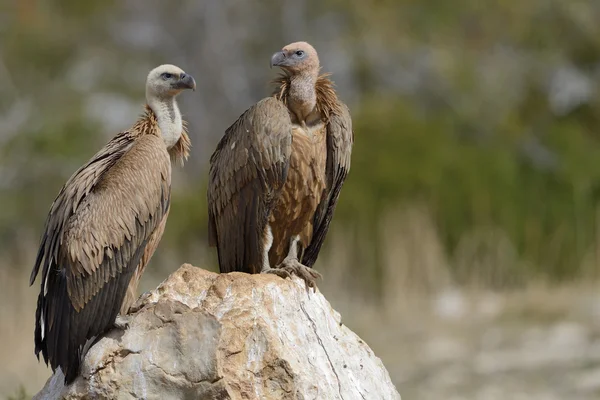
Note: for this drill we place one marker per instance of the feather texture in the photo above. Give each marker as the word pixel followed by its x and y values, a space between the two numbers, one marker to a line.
pixel 100 233
pixel 337 144
pixel 270 174
pixel 247 172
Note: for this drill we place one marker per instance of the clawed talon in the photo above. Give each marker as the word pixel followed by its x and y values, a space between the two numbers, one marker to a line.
pixel 139 303
pixel 121 322
pixel 276 271
pixel 291 266
pixel 308 275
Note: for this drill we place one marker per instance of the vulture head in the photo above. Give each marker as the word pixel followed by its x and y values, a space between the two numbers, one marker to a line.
pixel 297 58
pixel 168 81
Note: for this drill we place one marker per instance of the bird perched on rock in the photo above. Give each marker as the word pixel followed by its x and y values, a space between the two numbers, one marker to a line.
pixel 276 175
pixel 105 224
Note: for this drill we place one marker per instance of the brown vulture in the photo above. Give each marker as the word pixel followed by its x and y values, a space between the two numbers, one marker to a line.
pixel 276 175
pixel 105 224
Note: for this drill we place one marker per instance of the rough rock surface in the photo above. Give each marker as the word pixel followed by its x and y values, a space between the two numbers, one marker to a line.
pixel 202 335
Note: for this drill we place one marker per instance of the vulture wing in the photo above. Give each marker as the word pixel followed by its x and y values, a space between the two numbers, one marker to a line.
pixel 247 171
pixel 339 149
pixel 94 238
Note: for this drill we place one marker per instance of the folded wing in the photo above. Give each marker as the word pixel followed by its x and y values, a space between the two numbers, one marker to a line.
pixel 94 238
pixel 340 139
pixel 247 171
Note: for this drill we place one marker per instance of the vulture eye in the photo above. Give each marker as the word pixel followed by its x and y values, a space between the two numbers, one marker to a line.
pixel 299 53
pixel 166 75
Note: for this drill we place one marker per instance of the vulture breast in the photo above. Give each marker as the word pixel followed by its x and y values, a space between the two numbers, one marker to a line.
pixel 303 190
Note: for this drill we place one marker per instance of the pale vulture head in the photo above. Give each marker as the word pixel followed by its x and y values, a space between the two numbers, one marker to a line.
pixel 297 58
pixel 167 81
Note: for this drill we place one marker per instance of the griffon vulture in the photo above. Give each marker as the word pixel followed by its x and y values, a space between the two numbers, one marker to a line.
pixel 105 224
pixel 276 175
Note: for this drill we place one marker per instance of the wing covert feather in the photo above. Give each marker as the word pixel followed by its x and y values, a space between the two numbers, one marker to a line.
pixel 134 190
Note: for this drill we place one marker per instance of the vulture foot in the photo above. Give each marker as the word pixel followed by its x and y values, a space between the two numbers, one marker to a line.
pixel 276 271
pixel 291 266
pixel 121 322
pixel 139 304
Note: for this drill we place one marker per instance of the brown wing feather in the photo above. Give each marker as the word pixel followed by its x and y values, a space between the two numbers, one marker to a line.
pixel 153 242
pixel 247 171
pixel 340 139
pixel 95 236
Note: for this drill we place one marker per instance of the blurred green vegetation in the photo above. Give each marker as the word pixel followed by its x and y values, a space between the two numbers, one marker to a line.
pixel 550 214
pixel 454 107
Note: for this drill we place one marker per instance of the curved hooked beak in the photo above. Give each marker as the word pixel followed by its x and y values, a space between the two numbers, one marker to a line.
pixel 278 59
pixel 186 81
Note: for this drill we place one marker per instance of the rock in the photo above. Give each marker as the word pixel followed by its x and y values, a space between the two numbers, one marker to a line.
pixel 202 335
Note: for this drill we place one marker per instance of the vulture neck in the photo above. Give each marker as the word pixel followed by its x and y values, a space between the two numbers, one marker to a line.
pixel 169 119
pixel 302 96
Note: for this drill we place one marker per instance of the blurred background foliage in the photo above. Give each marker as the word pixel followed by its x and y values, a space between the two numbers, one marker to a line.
pixel 481 118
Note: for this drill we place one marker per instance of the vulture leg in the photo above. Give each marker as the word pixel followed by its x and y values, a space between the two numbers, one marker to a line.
pixel 121 322
pixel 137 306
pixel 290 265
pixel 266 268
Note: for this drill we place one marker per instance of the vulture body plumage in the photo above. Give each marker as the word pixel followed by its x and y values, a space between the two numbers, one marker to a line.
pixel 276 175
pixel 105 224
